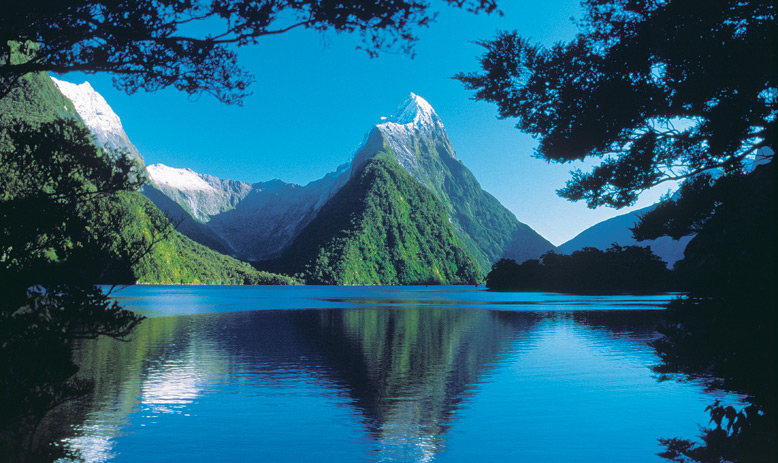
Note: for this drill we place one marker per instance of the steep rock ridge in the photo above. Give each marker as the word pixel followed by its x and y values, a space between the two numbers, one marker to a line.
pixel 184 223
pixel 617 230
pixel 417 139
pixel 98 116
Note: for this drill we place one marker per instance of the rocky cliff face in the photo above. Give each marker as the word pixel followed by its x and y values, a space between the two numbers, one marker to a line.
pixel 99 117
pixel 202 196
pixel 251 221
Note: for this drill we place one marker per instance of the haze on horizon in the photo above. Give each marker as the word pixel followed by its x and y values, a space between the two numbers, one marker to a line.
pixel 316 96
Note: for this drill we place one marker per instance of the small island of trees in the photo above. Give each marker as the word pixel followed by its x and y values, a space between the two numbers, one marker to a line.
pixel 590 270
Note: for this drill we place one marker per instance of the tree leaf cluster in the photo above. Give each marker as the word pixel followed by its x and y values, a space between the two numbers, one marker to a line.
pixel 70 217
pixel 191 45
pixel 661 90
pixel 51 172
pixel 725 331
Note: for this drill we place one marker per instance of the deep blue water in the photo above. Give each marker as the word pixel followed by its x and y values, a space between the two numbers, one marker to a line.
pixel 340 374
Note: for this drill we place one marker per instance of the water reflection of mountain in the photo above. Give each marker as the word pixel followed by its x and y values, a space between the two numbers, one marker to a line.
pixel 159 371
pixel 405 370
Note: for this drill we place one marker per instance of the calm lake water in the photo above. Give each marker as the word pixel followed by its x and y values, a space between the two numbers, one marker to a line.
pixel 340 374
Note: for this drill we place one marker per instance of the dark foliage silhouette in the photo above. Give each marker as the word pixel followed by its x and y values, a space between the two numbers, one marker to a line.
pixel 50 172
pixel 191 45
pixel 618 269
pixel 725 331
pixel 664 91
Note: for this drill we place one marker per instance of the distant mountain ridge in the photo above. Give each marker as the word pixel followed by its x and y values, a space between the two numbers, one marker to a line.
pixel 201 195
pixel 261 222
pixel 616 230
pixel 253 222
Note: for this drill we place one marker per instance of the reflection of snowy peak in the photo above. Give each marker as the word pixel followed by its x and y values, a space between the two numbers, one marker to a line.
pixel 98 116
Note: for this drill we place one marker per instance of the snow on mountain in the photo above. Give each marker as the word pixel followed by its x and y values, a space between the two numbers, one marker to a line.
pixel 259 221
pixel 249 221
pixel 181 179
pixel 99 117
pixel 417 111
pixel 203 196
pixel 414 117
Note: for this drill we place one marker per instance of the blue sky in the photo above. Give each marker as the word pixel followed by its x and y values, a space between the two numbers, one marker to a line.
pixel 315 97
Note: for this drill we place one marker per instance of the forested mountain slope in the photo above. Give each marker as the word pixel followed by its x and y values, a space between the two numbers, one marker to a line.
pixel 125 236
pixel 382 227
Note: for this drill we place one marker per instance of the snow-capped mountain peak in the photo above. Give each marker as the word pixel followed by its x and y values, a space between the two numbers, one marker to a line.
pixel 91 106
pixel 179 179
pixel 413 121
pixel 416 111
pixel 98 116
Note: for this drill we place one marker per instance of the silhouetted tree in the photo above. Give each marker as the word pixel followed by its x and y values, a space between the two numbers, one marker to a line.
pixel 662 89
pixel 667 90
pixel 191 44
pixel 617 269
pixel 51 173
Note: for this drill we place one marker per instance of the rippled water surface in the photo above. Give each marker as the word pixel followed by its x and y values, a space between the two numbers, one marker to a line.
pixel 345 374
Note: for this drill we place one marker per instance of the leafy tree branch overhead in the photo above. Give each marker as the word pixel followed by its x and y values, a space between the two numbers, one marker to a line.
pixel 191 44
pixel 660 89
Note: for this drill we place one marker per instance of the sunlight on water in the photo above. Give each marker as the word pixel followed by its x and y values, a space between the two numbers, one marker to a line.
pixel 381 374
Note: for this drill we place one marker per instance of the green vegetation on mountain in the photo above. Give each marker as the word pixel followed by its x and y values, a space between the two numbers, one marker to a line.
pixel 382 227
pixel 618 269
pixel 71 217
pixel 171 258
pixel 485 227
pixel 117 237
pixel 49 168
pixel 32 98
